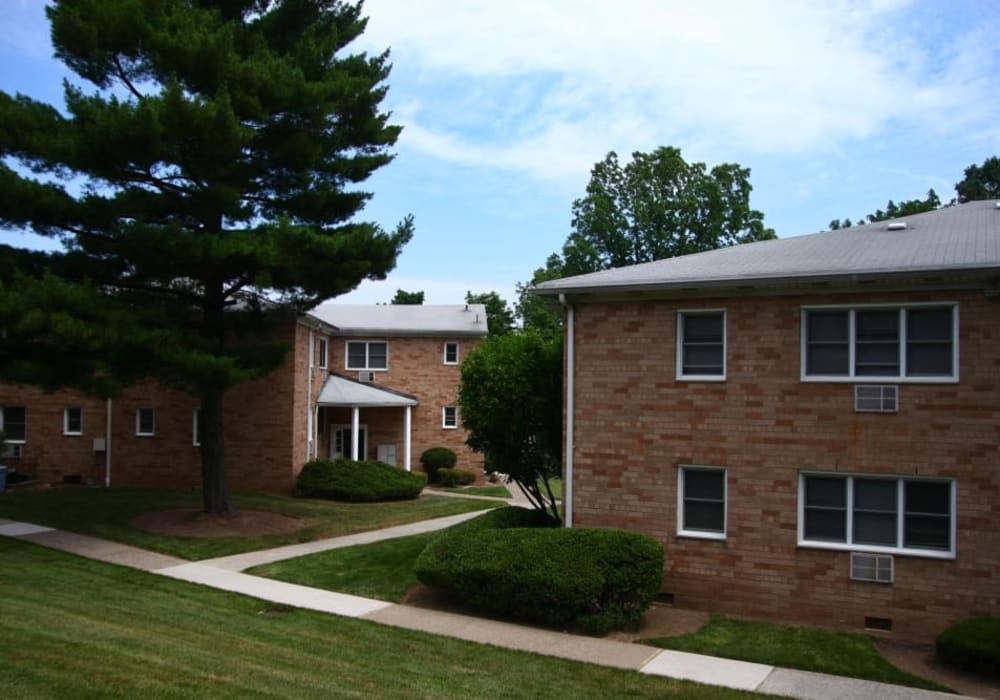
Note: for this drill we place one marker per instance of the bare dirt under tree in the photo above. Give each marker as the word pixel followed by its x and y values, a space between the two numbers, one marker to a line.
pixel 660 620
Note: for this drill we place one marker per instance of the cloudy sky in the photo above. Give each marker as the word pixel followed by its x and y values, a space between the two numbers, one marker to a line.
pixel 835 106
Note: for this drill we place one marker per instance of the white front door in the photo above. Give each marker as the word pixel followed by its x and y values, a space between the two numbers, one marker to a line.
pixel 340 442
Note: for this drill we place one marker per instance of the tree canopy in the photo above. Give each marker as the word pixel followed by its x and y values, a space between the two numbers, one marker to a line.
pixel 980 181
pixel 405 298
pixel 205 183
pixel 499 317
pixel 893 211
pixel 511 403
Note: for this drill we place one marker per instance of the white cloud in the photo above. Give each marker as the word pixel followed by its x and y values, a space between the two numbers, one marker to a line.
pixel 547 88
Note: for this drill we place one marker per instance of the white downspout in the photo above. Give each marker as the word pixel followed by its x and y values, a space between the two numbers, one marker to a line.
pixel 310 445
pixel 107 447
pixel 570 408
pixel 407 443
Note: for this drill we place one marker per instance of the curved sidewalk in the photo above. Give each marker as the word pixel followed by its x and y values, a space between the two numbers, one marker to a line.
pixel 225 573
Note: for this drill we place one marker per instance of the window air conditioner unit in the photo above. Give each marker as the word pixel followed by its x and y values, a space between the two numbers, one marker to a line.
pixel 876 398
pixel 876 568
pixel 366 377
pixel 14 451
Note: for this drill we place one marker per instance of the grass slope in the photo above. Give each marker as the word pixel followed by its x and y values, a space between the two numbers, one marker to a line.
pixel 107 513
pixel 79 628
pixel 804 648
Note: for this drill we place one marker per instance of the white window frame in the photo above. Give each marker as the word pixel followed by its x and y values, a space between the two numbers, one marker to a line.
pixel 66 430
pixel 138 422
pixel 900 549
pixel 367 344
pixel 679 353
pixel 444 417
pixel 324 353
pixel 457 348
pixel 702 534
pixel 900 378
pixel 10 440
pixel 195 428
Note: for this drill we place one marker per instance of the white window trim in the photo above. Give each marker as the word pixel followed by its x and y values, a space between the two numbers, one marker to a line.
pixel 901 378
pixel 444 418
pixel 457 352
pixel 66 430
pixel 195 433
pixel 702 534
pixel 12 441
pixel 878 549
pixel 679 352
pixel 347 357
pixel 324 353
pixel 138 422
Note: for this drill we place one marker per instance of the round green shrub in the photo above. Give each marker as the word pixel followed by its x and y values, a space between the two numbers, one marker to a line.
pixel 455 477
pixel 360 482
pixel 594 580
pixel 437 458
pixel 972 644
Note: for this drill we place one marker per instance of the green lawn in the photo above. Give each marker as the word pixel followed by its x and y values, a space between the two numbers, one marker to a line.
pixel 555 485
pixel 74 627
pixel 106 513
pixel 381 570
pixel 493 491
pixel 804 648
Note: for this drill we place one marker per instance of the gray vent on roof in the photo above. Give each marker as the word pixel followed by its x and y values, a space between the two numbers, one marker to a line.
pixel 897 226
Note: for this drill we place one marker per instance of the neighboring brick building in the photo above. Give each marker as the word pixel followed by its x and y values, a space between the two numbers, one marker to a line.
pixel 809 425
pixel 403 401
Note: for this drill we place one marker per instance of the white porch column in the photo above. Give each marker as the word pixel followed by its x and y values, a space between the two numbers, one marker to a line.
pixel 355 426
pixel 407 426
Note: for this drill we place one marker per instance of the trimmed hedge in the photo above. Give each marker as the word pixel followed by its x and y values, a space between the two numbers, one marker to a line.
pixel 972 644
pixel 360 482
pixel 594 580
pixel 456 477
pixel 435 459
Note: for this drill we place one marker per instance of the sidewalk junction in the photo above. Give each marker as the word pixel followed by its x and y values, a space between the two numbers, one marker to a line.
pixel 225 573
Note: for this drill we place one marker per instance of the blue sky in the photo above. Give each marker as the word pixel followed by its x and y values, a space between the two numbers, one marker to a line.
pixel 835 106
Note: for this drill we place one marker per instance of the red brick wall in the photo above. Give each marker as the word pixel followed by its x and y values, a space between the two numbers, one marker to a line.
pixel 635 424
pixel 416 367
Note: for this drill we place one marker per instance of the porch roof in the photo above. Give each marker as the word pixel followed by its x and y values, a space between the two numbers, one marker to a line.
pixel 341 391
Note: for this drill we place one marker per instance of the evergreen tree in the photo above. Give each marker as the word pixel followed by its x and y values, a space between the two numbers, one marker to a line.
pixel 204 184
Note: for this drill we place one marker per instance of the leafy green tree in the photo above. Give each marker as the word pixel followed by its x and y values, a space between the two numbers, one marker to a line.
pixel 541 314
pixel 511 403
pixel 404 298
pixel 204 186
pixel 659 206
pixel 980 181
pixel 499 317
pixel 894 211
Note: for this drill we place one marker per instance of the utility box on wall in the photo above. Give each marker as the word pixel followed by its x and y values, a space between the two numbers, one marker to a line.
pixel 387 454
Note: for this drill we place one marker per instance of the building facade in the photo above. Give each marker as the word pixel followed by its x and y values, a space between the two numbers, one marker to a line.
pixel 809 425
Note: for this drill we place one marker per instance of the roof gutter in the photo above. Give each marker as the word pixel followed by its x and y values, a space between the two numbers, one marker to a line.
pixel 570 409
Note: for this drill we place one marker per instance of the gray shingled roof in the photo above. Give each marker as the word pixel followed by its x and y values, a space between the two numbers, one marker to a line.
pixel 340 391
pixel 964 237
pixel 390 319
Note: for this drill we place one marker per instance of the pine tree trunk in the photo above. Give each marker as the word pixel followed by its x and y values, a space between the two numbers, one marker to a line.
pixel 213 464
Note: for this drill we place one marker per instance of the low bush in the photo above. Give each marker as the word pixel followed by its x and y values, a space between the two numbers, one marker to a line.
pixel 437 458
pixel 972 644
pixel 456 477
pixel 502 562
pixel 361 482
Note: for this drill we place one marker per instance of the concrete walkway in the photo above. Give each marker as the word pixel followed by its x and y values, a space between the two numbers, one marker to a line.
pixel 225 573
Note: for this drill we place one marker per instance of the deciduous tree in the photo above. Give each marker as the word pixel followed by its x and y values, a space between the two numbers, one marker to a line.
pixel 980 181
pixel 499 317
pixel 206 180
pixel 405 298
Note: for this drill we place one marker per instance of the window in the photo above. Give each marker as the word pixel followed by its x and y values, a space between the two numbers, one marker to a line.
pixel 145 422
pixel 13 423
pixel 875 513
pixel 196 427
pixel 449 417
pixel 701 345
pixel 73 421
pixel 323 351
pixel 451 353
pixel 913 342
pixel 367 355
pixel 701 502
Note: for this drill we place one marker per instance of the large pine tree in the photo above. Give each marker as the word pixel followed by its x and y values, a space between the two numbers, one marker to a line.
pixel 205 180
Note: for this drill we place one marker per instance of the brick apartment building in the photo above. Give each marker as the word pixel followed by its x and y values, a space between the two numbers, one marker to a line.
pixel 809 425
pixel 365 382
